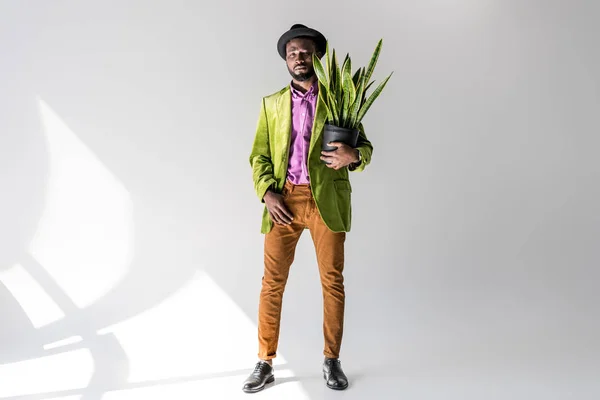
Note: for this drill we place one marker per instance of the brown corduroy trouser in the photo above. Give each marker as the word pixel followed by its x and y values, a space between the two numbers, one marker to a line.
pixel 279 249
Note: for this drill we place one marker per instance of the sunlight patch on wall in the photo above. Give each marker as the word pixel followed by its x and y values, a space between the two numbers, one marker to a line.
pixel 64 342
pixel 85 236
pixel 37 304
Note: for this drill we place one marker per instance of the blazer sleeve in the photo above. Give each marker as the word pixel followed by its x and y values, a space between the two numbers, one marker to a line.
pixel 366 150
pixel 260 156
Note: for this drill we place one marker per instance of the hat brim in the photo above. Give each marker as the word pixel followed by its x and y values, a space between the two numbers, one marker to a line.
pixel 301 32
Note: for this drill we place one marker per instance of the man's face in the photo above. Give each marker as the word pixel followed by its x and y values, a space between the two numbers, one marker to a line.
pixel 299 58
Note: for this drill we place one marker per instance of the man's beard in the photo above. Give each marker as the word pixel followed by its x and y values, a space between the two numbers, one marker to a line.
pixel 304 76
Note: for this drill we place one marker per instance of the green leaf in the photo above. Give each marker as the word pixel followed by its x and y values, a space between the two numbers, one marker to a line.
pixel 365 107
pixel 349 90
pixel 352 99
pixel 343 109
pixel 356 76
pixel 354 110
pixel 320 71
pixel 329 69
pixel 334 109
pixel 332 73
pixel 346 69
pixel 364 95
pixel 324 95
pixel 338 81
pixel 374 59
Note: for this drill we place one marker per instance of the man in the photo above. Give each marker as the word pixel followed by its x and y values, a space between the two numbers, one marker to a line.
pixel 302 188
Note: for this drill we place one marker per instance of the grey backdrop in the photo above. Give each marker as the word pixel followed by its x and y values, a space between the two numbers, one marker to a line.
pixel 472 267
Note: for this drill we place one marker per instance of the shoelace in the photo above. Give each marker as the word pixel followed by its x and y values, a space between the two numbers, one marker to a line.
pixel 260 368
pixel 334 365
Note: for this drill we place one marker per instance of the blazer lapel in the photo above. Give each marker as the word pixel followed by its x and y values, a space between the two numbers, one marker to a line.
pixel 319 123
pixel 284 115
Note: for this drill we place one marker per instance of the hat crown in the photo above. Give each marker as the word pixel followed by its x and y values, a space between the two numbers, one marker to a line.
pixel 298 26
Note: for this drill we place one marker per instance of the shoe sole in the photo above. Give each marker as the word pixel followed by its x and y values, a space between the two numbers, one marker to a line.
pixel 334 387
pixel 259 388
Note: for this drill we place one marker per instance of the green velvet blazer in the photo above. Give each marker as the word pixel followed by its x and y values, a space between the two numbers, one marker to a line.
pixel 269 161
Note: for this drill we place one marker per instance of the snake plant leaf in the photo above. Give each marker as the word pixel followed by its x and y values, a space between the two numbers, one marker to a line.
pixel 346 69
pixel 333 76
pixel 328 62
pixel 337 89
pixel 324 93
pixel 352 98
pixel 344 108
pixel 373 61
pixel 356 76
pixel 355 109
pixel 348 88
pixel 334 109
pixel 364 95
pixel 365 107
pixel 320 71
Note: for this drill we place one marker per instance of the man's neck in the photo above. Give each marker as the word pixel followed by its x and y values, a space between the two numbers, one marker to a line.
pixel 305 85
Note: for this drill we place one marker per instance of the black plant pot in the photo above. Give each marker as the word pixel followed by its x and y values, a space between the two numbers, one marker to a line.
pixel 332 133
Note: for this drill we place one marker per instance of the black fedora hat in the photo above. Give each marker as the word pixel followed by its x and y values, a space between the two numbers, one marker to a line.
pixel 299 30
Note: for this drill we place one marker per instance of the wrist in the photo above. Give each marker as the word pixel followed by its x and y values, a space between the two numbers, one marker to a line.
pixel 267 193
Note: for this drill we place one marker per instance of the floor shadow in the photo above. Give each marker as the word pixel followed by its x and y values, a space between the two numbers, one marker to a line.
pixel 97 389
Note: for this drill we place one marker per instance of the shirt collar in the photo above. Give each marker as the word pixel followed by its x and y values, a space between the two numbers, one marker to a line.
pixel 310 94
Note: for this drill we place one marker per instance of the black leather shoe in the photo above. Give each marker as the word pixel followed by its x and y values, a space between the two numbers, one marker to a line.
pixel 333 374
pixel 263 374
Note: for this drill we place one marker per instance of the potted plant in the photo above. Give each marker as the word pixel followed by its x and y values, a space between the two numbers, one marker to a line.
pixel 345 95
